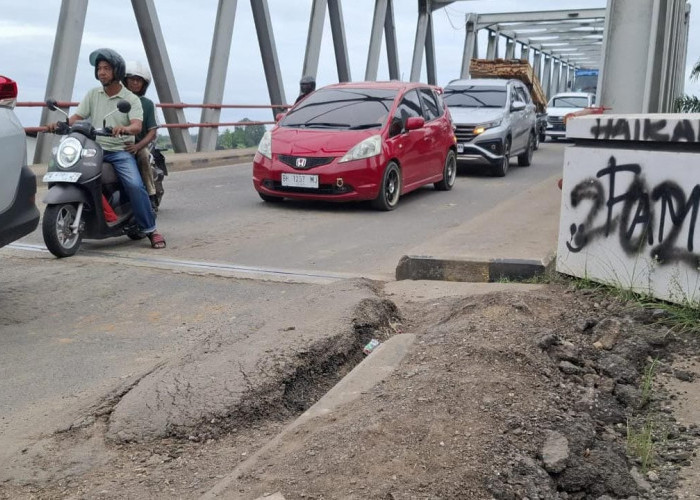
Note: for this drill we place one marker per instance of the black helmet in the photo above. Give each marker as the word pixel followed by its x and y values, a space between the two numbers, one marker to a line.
pixel 307 84
pixel 113 59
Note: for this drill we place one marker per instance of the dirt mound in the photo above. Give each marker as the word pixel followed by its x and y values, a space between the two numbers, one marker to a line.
pixel 550 394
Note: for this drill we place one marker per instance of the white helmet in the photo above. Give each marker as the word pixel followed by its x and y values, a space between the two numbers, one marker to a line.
pixel 136 68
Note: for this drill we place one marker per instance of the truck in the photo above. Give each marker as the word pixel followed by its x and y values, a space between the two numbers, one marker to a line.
pixel 585 80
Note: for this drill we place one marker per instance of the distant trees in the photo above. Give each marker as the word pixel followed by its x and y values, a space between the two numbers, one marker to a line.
pixel 689 103
pixel 244 136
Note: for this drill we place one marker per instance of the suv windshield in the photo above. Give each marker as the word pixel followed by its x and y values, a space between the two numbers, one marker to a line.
pixel 471 96
pixel 569 102
pixel 344 109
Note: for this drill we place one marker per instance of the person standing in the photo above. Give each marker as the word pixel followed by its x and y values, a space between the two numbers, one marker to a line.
pixel 110 70
pixel 137 80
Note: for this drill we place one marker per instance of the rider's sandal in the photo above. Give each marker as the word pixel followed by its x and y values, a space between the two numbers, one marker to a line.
pixel 157 240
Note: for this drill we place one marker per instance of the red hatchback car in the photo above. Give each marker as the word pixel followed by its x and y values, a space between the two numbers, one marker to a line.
pixel 358 141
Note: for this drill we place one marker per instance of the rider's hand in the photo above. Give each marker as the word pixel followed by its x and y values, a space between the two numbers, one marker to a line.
pixel 131 148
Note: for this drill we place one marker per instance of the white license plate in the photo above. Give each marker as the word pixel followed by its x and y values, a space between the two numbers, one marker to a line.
pixel 460 148
pixel 300 180
pixel 62 176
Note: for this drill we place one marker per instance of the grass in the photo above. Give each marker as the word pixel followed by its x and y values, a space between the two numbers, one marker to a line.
pixel 648 381
pixel 640 443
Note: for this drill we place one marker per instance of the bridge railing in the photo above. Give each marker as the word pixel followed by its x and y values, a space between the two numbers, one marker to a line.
pixel 179 105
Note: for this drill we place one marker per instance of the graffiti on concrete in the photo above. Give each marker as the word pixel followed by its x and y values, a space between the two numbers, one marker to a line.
pixel 643 217
pixel 646 129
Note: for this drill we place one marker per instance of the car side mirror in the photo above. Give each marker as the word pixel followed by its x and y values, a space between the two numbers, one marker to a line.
pixel 279 116
pixel 517 106
pixel 414 122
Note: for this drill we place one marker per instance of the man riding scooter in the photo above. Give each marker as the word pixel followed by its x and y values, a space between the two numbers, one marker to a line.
pixel 97 105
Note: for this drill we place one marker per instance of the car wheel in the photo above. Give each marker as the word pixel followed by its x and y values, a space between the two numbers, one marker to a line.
pixel 390 190
pixel 501 169
pixel 525 158
pixel 449 173
pixel 270 199
pixel 58 235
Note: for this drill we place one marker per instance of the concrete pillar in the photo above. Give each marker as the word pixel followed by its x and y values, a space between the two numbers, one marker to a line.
pixel 216 75
pixel 268 52
pixel 556 74
pixel 335 13
pixel 163 76
pixel 469 43
pixel 392 50
pixel 314 38
pixel 525 53
pixel 510 48
pixel 492 48
pixel 547 76
pixel 64 65
pixel 640 54
pixel 375 41
pixel 422 29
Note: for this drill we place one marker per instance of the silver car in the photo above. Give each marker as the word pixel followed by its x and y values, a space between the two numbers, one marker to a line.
pixel 18 213
pixel 494 120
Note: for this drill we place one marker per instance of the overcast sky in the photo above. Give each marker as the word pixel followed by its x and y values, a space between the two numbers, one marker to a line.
pixel 28 28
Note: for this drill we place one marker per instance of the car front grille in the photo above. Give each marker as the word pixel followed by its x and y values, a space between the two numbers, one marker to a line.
pixel 556 120
pixel 464 133
pixel 308 162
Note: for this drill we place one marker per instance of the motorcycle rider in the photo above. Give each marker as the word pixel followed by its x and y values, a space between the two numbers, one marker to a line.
pixel 110 70
pixel 137 80
pixel 306 85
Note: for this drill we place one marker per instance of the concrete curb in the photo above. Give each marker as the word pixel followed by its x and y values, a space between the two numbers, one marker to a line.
pixel 415 267
pixel 372 370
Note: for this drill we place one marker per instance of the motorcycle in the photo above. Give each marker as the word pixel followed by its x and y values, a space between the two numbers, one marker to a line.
pixel 159 170
pixel 84 198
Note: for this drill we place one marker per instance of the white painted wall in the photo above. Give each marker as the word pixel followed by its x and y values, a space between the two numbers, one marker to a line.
pixel 630 212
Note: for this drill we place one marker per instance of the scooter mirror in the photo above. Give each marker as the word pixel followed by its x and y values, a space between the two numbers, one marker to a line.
pixel 124 106
pixel 51 104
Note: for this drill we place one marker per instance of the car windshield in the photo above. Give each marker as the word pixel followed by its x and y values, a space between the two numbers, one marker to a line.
pixel 471 96
pixel 343 109
pixel 569 102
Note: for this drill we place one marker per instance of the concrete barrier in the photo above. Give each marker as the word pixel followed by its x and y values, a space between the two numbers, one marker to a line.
pixel 631 197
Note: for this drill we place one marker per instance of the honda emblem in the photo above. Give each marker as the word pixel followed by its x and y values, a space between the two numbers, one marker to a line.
pixel 301 162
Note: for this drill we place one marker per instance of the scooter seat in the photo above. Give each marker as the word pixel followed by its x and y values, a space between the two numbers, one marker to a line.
pixel 109 176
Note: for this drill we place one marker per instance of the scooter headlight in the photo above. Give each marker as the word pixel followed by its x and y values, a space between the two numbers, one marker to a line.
pixel 68 152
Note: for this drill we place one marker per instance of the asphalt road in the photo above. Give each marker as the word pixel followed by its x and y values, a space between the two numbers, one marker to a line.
pixel 74 330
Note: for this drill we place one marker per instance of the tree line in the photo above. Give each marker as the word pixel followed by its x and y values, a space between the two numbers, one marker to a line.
pixel 242 136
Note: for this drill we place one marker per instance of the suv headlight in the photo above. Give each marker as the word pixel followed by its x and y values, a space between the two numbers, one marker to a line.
pixel 480 129
pixel 265 146
pixel 69 152
pixel 371 146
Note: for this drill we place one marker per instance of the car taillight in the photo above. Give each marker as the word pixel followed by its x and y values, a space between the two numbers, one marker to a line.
pixel 8 92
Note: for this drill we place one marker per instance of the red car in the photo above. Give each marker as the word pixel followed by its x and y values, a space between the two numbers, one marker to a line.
pixel 358 141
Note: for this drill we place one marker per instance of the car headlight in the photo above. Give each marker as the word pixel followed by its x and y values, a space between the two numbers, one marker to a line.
pixel 371 146
pixel 265 145
pixel 69 152
pixel 480 129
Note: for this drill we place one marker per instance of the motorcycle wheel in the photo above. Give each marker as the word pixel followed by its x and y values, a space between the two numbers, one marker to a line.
pixel 58 236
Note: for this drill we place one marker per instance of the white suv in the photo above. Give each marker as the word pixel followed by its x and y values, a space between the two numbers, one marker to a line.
pixel 494 120
pixel 18 213
pixel 561 105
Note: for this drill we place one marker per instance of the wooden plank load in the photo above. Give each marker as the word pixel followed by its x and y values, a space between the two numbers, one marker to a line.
pixel 511 68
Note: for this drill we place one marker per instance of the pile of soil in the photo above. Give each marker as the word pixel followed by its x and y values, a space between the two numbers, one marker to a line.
pixel 555 393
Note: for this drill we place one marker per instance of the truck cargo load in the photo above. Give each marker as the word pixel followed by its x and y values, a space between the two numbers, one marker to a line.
pixel 511 68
